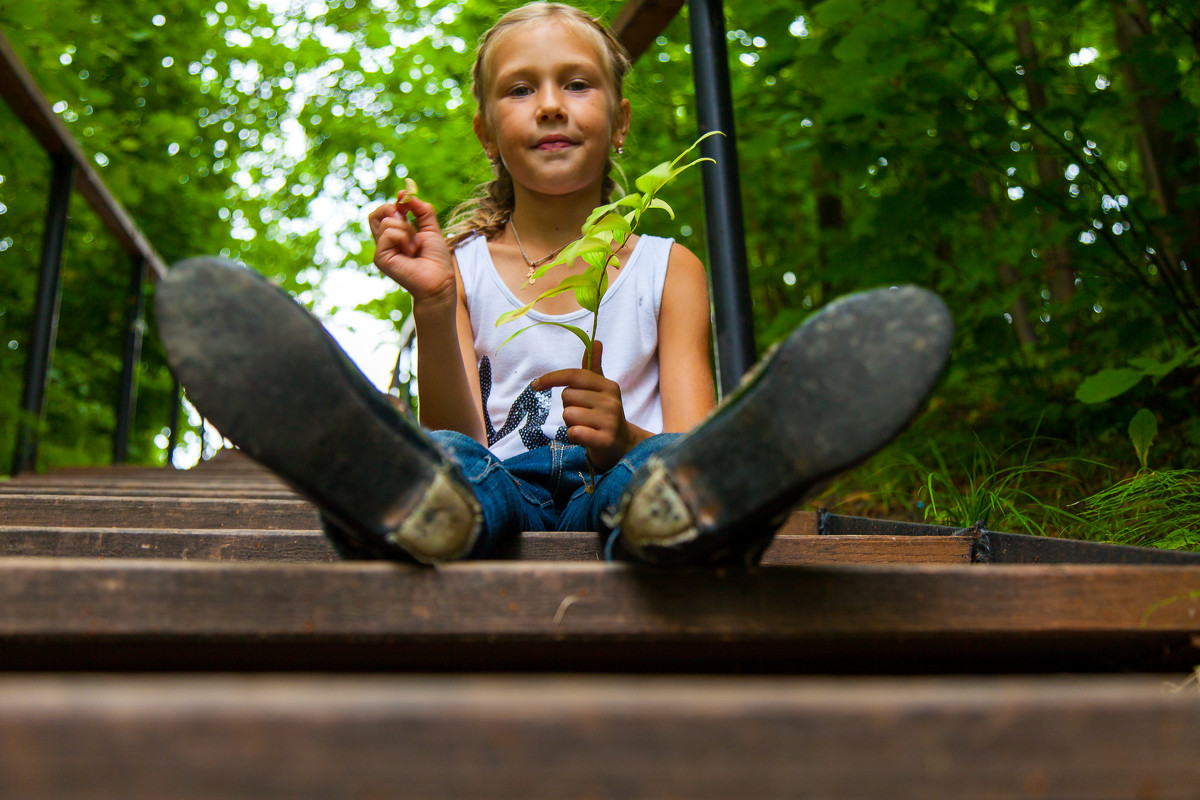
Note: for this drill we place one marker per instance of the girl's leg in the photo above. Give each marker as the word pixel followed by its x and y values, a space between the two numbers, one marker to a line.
pixel 278 386
pixel 838 389
pixel 591 511
pixel 512 497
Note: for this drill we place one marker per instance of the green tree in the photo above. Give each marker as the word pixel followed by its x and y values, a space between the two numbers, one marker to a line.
pixel 1032 160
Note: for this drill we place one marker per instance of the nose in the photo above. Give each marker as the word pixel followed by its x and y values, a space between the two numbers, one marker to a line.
pixel 551 107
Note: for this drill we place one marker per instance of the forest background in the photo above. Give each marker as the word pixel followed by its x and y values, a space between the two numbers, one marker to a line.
pixel 1033 161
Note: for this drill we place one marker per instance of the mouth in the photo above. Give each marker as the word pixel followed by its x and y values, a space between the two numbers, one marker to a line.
pixel 551 143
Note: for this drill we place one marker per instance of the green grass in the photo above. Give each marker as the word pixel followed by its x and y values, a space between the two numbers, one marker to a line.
pixel 1003 490
pixel 1150 509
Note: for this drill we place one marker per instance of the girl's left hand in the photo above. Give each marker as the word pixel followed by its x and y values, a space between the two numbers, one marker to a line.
pixel 593 411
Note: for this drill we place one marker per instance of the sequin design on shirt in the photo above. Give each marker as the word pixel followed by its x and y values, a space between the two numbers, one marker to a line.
pixel 531 407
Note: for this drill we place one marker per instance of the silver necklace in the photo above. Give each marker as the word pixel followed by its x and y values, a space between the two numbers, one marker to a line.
pixel 533 265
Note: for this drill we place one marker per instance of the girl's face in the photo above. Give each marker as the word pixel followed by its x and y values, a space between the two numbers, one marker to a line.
pixel 550 110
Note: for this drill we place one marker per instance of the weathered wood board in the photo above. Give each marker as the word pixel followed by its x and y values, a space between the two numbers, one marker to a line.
pixel 101 614
pixel 312 546
pixel 535 737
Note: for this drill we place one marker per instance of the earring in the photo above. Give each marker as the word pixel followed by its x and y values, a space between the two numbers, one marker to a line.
pixel 621 149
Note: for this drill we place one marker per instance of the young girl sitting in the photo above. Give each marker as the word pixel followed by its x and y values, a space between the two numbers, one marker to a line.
pixel 507 433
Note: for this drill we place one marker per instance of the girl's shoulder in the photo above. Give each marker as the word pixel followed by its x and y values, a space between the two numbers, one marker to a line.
pixel 470 252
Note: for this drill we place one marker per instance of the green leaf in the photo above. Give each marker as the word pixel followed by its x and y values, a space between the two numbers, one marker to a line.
pixel 615 224
pixel 600 211
pixel 634 199
pixel 582 334
pixel 678 170
pixel 588 244
pixel 587 297
pixel 1143 428
pixel 1160 369
pixel 1107 384
pixel 596 259
pixel 656 203
pixel 695 144
pixel 509 316
pixel 835 12
pixel 655 179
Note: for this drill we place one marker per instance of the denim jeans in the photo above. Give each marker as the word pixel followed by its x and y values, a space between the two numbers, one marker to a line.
pixel 543 489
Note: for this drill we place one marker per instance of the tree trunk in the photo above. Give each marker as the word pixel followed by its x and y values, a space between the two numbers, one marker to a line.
pixel 1059 269
pixel 1169 161
pixel 830 218
pixel 1019 310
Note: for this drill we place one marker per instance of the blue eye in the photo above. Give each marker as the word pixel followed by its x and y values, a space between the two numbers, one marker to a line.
pixel 578 86
pixel 520 91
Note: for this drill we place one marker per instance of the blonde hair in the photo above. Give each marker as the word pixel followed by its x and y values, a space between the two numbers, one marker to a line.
pixel 488 211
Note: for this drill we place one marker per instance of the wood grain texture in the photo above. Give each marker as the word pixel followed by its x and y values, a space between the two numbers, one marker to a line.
pixel 311 546
pixel 86 511
pixel 304 546
pixel 602 737
pixel 596 616
pixel 227 491
pixel 639 22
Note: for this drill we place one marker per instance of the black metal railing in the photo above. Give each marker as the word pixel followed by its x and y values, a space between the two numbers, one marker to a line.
pixel 71 172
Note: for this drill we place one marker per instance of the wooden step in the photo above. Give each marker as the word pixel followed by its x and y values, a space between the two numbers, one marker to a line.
pixel 227 491
pixel 220 508
pixel 265 737
pixel 306 546
pixel 89 511
pixel 101 614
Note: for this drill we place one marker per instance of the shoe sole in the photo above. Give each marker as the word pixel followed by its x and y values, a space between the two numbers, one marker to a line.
pixel 837 390
pixel 274 382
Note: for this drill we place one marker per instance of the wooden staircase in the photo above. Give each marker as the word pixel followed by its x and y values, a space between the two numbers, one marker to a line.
pixel 192 634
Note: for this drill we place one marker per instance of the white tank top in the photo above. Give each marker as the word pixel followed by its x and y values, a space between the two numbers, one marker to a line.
pixel 517 418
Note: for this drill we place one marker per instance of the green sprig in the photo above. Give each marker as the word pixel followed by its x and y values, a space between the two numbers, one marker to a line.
pixel 602 236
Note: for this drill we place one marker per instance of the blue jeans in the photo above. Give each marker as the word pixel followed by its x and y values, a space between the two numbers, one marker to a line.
pixel 542 489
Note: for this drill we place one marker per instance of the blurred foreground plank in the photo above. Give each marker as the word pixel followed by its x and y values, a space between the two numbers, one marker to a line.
pixel 604 737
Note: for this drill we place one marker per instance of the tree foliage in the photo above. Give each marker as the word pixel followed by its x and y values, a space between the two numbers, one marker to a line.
pixel 1035 161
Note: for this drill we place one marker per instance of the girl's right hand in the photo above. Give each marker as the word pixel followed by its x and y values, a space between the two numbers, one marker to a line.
pixel 414 256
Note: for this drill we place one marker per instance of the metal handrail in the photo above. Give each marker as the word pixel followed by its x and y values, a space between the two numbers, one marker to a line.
pixel 72 171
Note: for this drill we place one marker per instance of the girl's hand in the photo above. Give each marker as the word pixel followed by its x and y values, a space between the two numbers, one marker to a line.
pixel 414 256
pixel 593 411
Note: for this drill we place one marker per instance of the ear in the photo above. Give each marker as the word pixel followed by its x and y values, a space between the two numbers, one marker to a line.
pixel 621 120
pixel 484 134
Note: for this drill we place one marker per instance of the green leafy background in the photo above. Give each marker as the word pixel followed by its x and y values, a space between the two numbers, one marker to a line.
pixel 1034 162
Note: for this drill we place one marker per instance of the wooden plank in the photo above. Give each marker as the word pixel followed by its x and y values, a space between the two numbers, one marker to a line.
pixel 226 490
pixel 192 507
pixel 306 546
pixel 804 549
pixel 69 613
pixel 602 737
pixel 147 512
pixel 640 22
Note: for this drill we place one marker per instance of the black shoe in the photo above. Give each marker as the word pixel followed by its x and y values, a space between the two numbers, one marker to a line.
pixel 277 385
pixel 838 389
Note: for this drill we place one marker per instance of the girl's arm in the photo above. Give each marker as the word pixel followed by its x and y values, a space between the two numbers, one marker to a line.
pixel 418 259
pixel 684 329
pixel 448 391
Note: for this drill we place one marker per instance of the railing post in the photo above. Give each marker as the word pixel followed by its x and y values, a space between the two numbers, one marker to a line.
pixel 135 327
pixel 726 235
pixel 173 431
pixel 44 325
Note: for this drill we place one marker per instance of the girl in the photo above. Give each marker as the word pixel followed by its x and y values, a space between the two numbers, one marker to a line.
pixel 511 430
pixel 547 80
